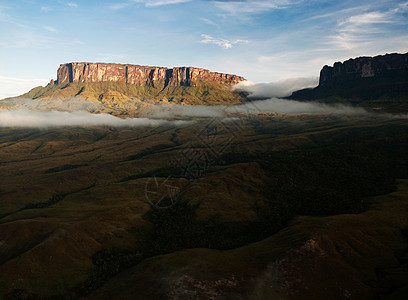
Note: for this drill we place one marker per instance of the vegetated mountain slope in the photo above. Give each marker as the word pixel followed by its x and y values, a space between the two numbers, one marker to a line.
pixel 74 211
pixel 379 83
pixel 361 256
pixel 112 84
pixel 114 94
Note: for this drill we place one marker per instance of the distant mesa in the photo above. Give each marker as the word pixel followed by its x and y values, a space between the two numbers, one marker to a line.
pixel 120 86
pixel 364 67
pixel 379 82
pixel 140 75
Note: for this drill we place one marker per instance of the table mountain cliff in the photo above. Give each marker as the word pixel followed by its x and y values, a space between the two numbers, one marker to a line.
pixel 140 75
pixel 379 82
pixel 112 84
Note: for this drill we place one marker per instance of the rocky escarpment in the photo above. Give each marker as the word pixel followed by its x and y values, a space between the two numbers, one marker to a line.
pixel 140 75
pixel 379 82
pixel 364 67
pixel 122 87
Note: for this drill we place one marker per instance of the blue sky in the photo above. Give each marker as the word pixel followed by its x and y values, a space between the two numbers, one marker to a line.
pixel 261 40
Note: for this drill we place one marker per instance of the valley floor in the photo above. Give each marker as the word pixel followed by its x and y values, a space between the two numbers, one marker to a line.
pixel 285 207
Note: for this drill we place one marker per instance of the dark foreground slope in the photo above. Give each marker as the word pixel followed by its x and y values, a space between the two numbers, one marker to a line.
pixel 379 83
pixel 359 256
pixel 75 218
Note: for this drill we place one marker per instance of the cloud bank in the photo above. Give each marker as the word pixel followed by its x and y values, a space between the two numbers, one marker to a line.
pixel 284 106
pixel 278 89
pixel 79 112
pixel 41 119
pixel 273 105
pixel 271 92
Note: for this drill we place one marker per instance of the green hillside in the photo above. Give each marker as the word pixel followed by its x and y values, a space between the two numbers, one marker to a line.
pixel 111 93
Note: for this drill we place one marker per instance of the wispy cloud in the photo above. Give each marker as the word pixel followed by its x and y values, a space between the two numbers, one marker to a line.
pixel 339 13
pixel 401 8
pixel 117 6
pixel 209 22
pixel 364 29
pixel 258 6
pixel 45 8
pixel 366 18
pixel 147 3
pixel 223 43
pixel 72 4
pixel 49 28
pixel 164 2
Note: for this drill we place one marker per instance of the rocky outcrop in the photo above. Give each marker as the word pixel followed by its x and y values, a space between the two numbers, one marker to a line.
pixel 363 67
pixel 379 83
pixel 139 75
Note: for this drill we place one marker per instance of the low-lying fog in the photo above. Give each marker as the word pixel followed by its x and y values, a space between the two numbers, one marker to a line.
pixel 30 118
pixel 77 112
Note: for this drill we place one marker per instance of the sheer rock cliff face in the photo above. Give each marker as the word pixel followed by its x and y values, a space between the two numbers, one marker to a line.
pixel 379 83
pixel 140 75
pixel 364 67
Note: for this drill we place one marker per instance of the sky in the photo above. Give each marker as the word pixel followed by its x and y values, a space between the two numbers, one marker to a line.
pixel 262 40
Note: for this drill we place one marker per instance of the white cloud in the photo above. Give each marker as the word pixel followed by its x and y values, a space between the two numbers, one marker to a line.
pixel 10 87
pixel 339 13
pixel 29 118
pixel 223 43
pixel 147 3
pixel 164 2
pixel 282 88
pixel 401 8
pixel 365 30
pixel 282 106
pixel 45 8
pixel 49 28
pixel 366 18
pixel 209 22
pixel 257 6
pixel 272 105
pixel 72 4
pixel 121 5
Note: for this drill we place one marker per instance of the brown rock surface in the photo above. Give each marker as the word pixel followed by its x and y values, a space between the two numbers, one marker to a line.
pixel 377 83
pixel 361 67
pixel 139 75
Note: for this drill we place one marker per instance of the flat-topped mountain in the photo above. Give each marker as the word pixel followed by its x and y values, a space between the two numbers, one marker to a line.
pixel 121 86
pixel 379 82
pixel 381 66
pixel 140 75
